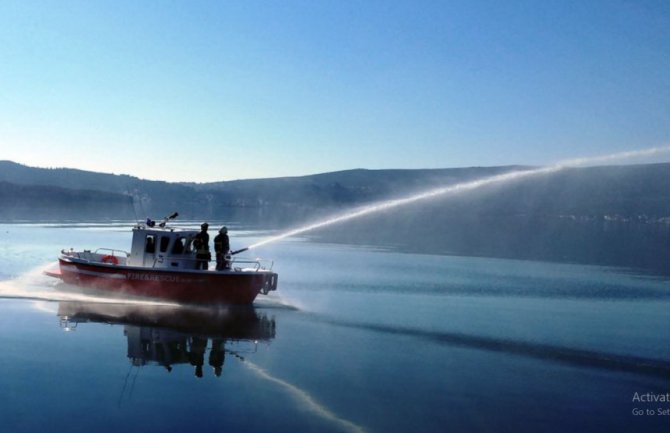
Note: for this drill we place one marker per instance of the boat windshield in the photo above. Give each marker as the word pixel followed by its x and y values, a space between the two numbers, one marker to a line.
pixel 182 246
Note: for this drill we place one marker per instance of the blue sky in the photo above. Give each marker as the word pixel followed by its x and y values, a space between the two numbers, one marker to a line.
pixel 220 90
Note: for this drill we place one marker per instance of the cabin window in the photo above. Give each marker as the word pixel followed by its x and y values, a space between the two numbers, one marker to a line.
pixel 165 241
pixel 150 244
pixel 179 246
pixel 182 245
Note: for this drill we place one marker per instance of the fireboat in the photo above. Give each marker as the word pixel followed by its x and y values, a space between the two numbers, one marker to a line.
pixel 162 265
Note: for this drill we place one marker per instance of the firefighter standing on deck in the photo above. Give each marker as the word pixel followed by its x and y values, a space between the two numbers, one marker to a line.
pixel 221 248
pixel 201 244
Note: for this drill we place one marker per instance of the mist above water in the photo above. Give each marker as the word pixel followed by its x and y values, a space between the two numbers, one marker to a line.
pixel 464 187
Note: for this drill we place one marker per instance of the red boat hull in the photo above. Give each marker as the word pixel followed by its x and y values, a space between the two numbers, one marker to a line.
pixel 193 287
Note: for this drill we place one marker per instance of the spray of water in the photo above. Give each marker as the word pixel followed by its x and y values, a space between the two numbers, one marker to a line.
pixel 34 285
pixel 464 187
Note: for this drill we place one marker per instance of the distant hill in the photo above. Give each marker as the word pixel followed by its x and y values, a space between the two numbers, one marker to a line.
pixel 150 196
pixel 265 201
pixel 611 215
pixel 43 202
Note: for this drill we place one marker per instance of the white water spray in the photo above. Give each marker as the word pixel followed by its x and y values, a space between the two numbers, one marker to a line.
pixel 34 285
pixel 463 187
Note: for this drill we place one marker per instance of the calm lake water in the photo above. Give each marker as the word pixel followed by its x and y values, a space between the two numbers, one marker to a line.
pixel 354 340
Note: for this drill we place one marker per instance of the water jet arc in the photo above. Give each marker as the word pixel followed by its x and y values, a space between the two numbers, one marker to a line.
pixel 462 187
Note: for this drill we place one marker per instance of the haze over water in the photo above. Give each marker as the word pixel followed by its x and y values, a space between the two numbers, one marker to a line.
pixel 464 188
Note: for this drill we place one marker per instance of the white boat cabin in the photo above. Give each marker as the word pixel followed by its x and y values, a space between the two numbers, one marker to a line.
pixel 162 248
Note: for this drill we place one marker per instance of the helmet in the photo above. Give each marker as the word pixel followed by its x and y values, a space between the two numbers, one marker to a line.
pixel 224 229
pixel 204 226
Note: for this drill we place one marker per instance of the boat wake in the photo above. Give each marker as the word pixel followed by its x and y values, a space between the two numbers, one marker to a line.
pixel 275 303
pixel 307 401
pixel 544 351
pixel 34 285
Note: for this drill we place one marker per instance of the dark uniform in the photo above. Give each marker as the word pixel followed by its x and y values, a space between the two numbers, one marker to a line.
pixel 217 355
pixel 201 244
pixel 197 354
pixel 221 248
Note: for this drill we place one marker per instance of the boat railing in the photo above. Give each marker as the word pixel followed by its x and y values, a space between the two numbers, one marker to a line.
pixel 101 255
pixel 234 263
pixel 257 264
pixel 112 251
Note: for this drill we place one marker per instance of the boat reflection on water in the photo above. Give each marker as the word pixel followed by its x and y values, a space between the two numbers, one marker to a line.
pixel 170 335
